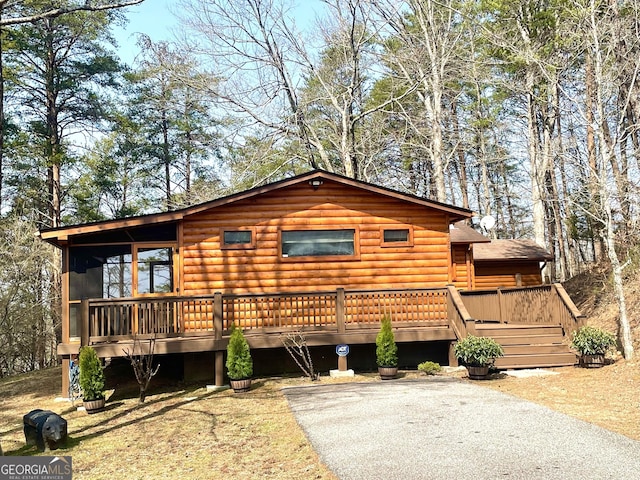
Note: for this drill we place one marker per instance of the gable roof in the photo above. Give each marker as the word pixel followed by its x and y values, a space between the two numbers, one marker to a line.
pixel 60 235
pixel 461 233
pixel 510 250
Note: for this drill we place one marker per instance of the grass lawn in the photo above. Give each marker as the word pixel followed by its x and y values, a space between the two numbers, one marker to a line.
pixel 191 433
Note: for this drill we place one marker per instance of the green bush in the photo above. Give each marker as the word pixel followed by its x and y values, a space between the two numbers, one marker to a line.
pixel 91 376
pixel 592 341
pixel 478 351
pixel 430 368
pixel 386 348
pixel 239 361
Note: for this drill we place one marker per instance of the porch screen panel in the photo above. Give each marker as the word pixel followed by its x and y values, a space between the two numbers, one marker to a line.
pixel 100 272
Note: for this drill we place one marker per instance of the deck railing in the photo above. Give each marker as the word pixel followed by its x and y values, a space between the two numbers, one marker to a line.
pixel 337 311
pixel 544 304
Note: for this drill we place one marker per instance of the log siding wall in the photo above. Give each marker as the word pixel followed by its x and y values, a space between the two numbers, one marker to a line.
pixel 462 267
pixel 505 274
pixel 206 268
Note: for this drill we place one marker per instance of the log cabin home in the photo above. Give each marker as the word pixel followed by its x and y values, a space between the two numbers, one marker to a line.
pixel 318 253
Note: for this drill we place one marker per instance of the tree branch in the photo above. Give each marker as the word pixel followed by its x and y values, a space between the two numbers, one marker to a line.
pixel 56 12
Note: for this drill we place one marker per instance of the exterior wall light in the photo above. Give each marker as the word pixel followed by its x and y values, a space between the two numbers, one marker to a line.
pixel 315 183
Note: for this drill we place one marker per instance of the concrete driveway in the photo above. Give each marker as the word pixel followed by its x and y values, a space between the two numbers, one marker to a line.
pixel 445 428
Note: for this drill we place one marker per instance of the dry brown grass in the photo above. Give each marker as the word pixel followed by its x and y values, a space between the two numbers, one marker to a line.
pixel 607 397
pixel 185 433
pixel 192 433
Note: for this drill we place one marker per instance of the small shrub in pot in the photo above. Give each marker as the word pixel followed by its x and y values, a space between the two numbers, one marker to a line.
pixel 478 354
pixel 91 379
pixel 386 350
pixel 239 362
pixel 592 344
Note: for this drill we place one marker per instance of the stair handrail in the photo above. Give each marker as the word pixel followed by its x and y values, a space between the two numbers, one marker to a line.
pixel 457 312
pixel 578 317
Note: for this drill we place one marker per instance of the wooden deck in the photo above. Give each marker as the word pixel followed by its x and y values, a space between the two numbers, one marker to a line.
pixel 545 317
pixel 203 323
pixel 533 324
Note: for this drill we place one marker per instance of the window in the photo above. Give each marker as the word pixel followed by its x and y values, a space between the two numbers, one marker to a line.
pixel 237 239
pixel 318 243
pixel 155 270
pixel 396 237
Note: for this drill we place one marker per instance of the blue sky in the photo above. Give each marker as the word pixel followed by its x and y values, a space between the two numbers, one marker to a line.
pixel 155 18
pixel 151 17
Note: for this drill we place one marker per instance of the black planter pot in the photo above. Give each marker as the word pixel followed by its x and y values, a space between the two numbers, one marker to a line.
pixel 240 386
pixel 387 373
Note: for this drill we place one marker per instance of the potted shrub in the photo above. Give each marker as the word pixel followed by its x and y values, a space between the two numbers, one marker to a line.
pixel 91 379
pixel 592 344
pixel 386 351
pixel 239 361
pixel 478 354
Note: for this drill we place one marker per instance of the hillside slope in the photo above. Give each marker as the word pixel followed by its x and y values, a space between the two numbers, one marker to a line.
pixel 592 293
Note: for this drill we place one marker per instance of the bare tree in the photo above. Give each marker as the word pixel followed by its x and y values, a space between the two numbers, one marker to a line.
pixel 430 35
pixel 27 328
pixel 11 12
pixel 296 345
pixel 141 359
pixel 272 78
pixel 602 28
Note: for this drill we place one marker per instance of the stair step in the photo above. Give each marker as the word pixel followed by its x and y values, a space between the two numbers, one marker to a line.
pixel 529 345
pixel 511 350
pixel 528 339
pixel 535 361
pixel 512 330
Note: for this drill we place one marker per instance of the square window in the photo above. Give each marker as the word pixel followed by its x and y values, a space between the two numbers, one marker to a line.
pixel 237 239
pixel 396 237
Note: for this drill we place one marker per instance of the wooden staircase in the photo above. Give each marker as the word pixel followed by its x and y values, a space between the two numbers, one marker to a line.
pixel 528 345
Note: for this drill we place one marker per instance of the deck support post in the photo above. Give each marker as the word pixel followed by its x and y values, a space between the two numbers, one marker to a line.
pixel 453 360
pixel 218 325
pixel 471 327
pixel 65 377
pixel 340 323
pixel 219 367
pixel 501 307
pixel 84 323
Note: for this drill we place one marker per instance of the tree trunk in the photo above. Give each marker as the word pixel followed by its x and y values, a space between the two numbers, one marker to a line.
pixel 462 163
pixel 607 157
pixel 596 240
pixel 166 159
pixel 53 152
pixel 537 166
pixel 1 112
